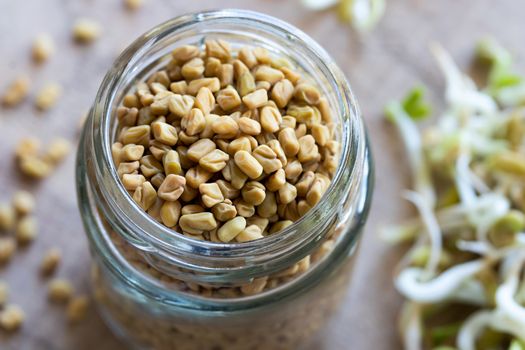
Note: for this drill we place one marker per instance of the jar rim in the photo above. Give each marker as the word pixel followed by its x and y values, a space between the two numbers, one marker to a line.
pixel 154 237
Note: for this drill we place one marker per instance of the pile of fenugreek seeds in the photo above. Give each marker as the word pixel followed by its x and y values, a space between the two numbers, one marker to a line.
pixel 226 146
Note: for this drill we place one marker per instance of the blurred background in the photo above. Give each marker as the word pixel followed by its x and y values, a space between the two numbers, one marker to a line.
pixel 380 65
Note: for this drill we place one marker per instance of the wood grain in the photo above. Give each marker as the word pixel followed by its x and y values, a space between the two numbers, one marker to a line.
pixel 379 65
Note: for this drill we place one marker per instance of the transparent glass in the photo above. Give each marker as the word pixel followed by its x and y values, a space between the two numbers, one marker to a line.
pixel 154 285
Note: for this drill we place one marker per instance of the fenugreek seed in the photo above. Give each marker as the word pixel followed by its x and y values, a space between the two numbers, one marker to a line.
pixel 288 211
pixel 171 163
pixel 194 122
pixel 200 148
pixel 161 77
pixel 16 92
pixel 48 96
pixel 131 152
pixel 270 119
pixel 263 85
pixel 267 158
pixel 60 290
pixel 210 194
pixel 26 230
pixel 145 116
pixel 243 208
pixel 303 207
pixel 321 134
pixel 193 69
pixel 133 5
pixel 316 191
pixel 255 287
pixel 86 30
pixel 226 74
pixel 77 309
pixel 43 48
pixel 170 213
pixel 213 67
pixel 231 229
pixel 172 187
pixel 248 164
pixel 279 226
pixel 128 168
pixel 185 53
pixel 213 84
pixel 307 93
pixel 197 223
pixel 7 249
pixel 287 193
pixel 35 167
pixel 11 318
pixel 225 126
pixel 250 233
pixel 253 193
pixel 50 262
pixel 219 49
pixel 262 55
pixel 26 147
pixel 288 122
pixel 249 126
pixel 278 150
pixel 246 84
pixel 180 105
pixel 145 195
pixel 154 210
pixel 224 211
pixel 149 166
pixel 247 57
pixel 205 100
pixel 300 130
pixel 258 221
pixel 293 170
pixel 282 92
pixel 269 74
pixel 304 184
pixel 186 139
pixel 7 217
pixel 255 99
pixel 197 175
pixel 23 202
pixel 291 75
pixel 276 180
pixel 189 193
pixel 57 150
pixel 240 144
pixel 138 135
pixel 144 94
pixel 132 181
pixel 227 189
pixel 127 116
pixel 179 87
pixel 304 114
pixel 4 291
pixel 214 161
pixel 192 209
pixel 268 207
pixel 228 98
pixel 160 103
pixel 308 150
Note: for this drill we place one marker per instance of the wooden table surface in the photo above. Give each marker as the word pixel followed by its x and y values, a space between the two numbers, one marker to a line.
pixel 380 65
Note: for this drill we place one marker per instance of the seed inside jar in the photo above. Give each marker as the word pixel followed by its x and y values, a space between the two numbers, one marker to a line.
pixel 219 141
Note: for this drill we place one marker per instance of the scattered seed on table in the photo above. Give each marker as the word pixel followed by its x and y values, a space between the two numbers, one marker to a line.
pixel 43 48
pixel 26 230
pixel 48 96
pixel 11 317
pixel 23 202
pixel 86 30
pixel 7 217
pixel 60 290
pixel 133 5
pixel 16 92
pixel 77 308
pixel 57 150
pixel 50 261
pixel 4 291
pixel 7 249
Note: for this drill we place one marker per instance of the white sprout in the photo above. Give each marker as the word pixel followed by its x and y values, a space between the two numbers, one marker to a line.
pixel 505 294
pixel 363 14
pixel 411 325
pixel 319 5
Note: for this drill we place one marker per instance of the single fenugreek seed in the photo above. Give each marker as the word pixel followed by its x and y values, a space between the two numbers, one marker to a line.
pixel 43 48
pixel 255 99
pixel 268 207
pixel 34 166
pixel 26 230
pixel 270 119
pixel 307 93
pixel 133 5
pixel 185 53
pixel 242 143
pixel 171 163
pixel 131 152
pixel 59 290
pixel 278 150
pixel 23 202
pixel 179 87
pixel 228 98
pixel 7 216
pixel 132 181
pixel 194 122
pixel 304 184
pixel 210 194
pixel 317 189
pixel 50 261
pixel 293 170
pixel 246 84
pixel 226 74
pixel 304 114
pixel 16 92
pixel 249 126
pixel 321 134
pixel 219 49
pixel 243 208
pixel 172 187
pixel 58 150
pixel 275 181
pixel 269 74
pixel 214 161
pixel 250 233
pixel 224 211
pixel 48 96
pixel 180 105
pixel 197 223
pixel 308 150
pixel 28 146
pixel 253 192
pixel 213 84
pixel 77 308
pixel 192 209
pixel 7 249
pixel 267 158
pixel 213 67
pixel 286 193
pixel 86 30
pixel 248 164
pixel 262 55
pixel 197 175
pixel 231 229
pixel 200 148
pixel 127 116
pixel 11 318
pixel 247 57
pixel 255 287
pixel 205 100
pixel 4 291
pixel 138 135
pixel 128 168
pixel 258 221
pixel 149 166
pixel 279 226
pixel 170 213
pixel 282 92
pixel 145 195
pixel 164 133
pixel 226 127
pixel 193 69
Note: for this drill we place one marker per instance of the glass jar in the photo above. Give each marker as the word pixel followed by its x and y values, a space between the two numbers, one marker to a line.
pixel 158 289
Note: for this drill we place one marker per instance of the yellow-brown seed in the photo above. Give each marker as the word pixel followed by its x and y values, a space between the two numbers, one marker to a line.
pixel 226 127
pixel 282 93
pixel 224 211
pixel 250 233
pixel 303 185
pixel 321 134
pixel 131 152
pixel 231 229
pixel 60 290
pixel 179 87
pixel 128 168
pixel 214 161
pixel 7 249
pixel 77 309
pixel 28 146
pixel 243 208
pixel 226 74
pixel 138 135
pixel 269 74
pixel 279 226
pixel 268 207
pixel 249 126
pixel 86 30
pixel 307 93
pixel 287 193
pixel 228 98
pixel 200 148
pixel 11 318
pixel 180 105
pixel 255 99
pixel 248 164
pixel 35 167
pixel 213 84
pixel 197 175
pixel 149 166
pixel 23 202
pixel 240 144
pixel 247 57
pixel 293 170
pixel 132 181
pixel 205 100
pixel 185 53
pixel 170 213
pixel 253 193
pixel 246 84
pixel 145 195
pixel 270 119
pixel 308 150
pixel 26 230
pixel 43 48
pixel 289 142
pixel 50 262
pixel 164 133
pixel 171 163
pixel 194 122
pixel 276 180
pixel 193 69
pixel 197 223
pixel 267 158
pixel 172 187
pixel 219 49
pixel 16 92
pixel 255 287
pixel 213 67
pixel 210 194
pixel 7 217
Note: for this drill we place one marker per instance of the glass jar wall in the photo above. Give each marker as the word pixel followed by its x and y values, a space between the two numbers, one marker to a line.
pixel 158 289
